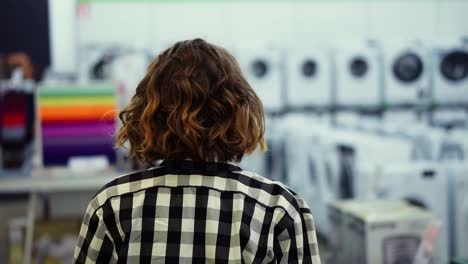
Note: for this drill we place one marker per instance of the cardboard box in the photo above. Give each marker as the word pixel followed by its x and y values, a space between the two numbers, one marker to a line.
pixel 377 231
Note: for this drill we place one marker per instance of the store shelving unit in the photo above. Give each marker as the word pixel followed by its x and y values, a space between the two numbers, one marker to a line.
pixel 47 181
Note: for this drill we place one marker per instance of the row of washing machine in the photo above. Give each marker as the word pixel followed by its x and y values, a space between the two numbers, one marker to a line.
pixel 354 73
pixel 411 161
pixel 369 74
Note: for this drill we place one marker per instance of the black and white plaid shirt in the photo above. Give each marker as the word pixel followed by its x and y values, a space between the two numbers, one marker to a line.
pixel 196 212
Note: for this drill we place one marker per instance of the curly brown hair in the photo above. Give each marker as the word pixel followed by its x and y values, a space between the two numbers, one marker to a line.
pixel 193 103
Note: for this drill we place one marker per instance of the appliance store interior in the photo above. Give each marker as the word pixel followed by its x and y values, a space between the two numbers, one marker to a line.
pixel 366 109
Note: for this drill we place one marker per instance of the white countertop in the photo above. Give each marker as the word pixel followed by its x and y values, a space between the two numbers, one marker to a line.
pixel 56 180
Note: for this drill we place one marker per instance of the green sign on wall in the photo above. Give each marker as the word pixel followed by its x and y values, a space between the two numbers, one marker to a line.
pixel 224 1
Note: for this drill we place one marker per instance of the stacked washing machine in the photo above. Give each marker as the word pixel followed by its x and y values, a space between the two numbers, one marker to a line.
pixel 450 73
pixel 331 160
pixel 399 156
pixel 374 166
pixel 358 75
pixel 450 87
pixel 437 154
pixel 309 75
pixel 309 83
pixel 263 69
pixel 406 73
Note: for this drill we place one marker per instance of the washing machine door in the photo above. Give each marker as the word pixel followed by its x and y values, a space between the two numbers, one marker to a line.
pixel 454 66
pixel 260 68
pixel 263 72
pixel 358 67
pixel 346 171
pixel 408 67
pixel 309 68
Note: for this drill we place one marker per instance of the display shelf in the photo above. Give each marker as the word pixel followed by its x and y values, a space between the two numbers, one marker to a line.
pixel 57 181
pixel 51 180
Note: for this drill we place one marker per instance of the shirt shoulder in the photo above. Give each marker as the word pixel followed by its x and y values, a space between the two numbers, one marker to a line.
pixel 127 183
pixel 266 192
pixel 278 194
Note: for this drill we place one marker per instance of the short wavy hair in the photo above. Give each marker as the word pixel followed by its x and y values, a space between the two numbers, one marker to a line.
pixel 193 103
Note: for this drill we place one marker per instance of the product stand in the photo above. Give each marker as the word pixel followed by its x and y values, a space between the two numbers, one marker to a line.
pixel 31 217
pixel 33 196
pixel 44 183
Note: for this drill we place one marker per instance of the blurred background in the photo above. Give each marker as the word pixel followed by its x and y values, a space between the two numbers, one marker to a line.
pixel 366 105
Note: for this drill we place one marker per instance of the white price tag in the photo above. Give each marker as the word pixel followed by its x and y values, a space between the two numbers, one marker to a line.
pixel 425 253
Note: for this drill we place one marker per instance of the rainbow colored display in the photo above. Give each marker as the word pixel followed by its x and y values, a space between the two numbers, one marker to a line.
pixel 77 121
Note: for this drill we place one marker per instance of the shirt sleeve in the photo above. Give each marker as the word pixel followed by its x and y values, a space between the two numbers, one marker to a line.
pixel 296 240
pixel 94 244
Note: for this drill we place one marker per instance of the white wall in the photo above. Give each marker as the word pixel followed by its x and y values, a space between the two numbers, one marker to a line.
pixel 63 35
pixel 230 23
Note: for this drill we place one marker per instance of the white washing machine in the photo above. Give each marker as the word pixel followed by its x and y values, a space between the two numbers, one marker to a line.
pixel 309 77
pixel 312 173
pixel 358 76
pixel 406 68
pixel 355 149
pixel 450 74
pixel 423 184
pixel 458 206
pixel 263 69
